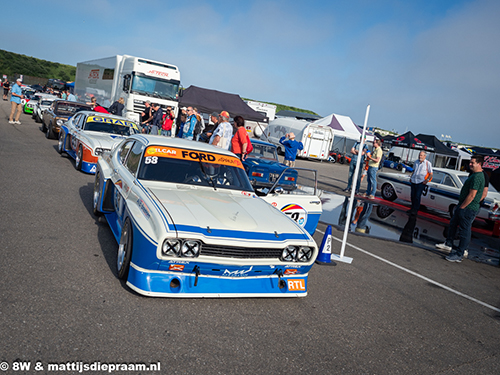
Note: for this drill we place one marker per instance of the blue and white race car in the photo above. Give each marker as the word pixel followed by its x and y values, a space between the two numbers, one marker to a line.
pixel 189 224
pixel 89 134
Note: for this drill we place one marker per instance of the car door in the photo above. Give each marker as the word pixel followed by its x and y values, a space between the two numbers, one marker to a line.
pixel 124 174
pixel 75 130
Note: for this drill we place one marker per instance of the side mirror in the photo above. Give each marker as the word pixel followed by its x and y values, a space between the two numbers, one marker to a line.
pixel 126 82
pixel 181 91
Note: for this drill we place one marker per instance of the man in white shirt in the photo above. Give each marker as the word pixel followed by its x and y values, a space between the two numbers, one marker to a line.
pixel 224 132
pixel 422 174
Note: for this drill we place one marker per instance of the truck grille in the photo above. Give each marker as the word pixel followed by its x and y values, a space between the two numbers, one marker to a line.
pixel 239 252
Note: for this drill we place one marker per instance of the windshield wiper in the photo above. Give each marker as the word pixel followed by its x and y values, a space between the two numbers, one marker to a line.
pixel 142 92
pixel 205 173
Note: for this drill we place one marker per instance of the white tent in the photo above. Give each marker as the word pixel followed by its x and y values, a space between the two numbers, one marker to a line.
pixel 346 133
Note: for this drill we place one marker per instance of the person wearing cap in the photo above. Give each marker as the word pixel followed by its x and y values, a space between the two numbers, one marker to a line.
pixel 209 129
pixel 15 102
pixel 188 131
pixel 291 148
pixel 224 132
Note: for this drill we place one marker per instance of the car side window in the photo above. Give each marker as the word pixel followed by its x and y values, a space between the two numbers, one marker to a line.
pixel 448 181
pixel 134 157
pixel 77 122
pixel 124 151
pixel 437 177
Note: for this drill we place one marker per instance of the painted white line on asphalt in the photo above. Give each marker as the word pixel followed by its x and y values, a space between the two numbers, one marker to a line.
pixel 418 275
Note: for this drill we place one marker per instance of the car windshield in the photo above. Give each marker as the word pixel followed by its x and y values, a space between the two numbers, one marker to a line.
pixel 103 127
pixel 264 151
pixel 46 102
pixel 70 108
pixel 168 164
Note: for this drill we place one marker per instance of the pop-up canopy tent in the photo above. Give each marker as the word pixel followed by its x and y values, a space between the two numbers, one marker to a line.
pixel 409 142
pixel 208 101
pixel 442 156
pixel 345 131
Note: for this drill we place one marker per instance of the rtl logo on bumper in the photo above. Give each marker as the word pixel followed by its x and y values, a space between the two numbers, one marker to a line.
pixel 296 285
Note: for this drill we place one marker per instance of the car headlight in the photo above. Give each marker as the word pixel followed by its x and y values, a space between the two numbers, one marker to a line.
pixel 99 151
pixel 190 249
pixel 289 253
pixel 304 254
pixel 171 247
pixel 60 122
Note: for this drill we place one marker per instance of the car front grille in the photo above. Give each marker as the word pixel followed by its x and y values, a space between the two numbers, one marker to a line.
pixel 239 252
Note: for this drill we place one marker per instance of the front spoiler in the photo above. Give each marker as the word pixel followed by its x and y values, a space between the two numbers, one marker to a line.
pixel 159 284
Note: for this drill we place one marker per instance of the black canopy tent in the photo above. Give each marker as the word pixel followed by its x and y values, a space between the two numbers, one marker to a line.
pixel 443 156
pixel 208 101
pixel 409 140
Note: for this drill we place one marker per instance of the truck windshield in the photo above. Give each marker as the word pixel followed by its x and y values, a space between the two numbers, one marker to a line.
pixel 156 88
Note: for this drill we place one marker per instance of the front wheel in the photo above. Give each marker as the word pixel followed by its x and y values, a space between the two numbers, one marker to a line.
pixel 124 251
pixel 49 134
pixel 44 128
pixel 78 159
pixel 60 145
pixel 388 192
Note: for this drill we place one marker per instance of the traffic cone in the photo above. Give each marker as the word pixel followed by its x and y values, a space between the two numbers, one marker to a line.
pixel 325 250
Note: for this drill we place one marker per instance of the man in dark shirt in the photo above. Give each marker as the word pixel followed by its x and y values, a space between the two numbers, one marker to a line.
pixel 157 119
pixel 209 129
pixel 466 211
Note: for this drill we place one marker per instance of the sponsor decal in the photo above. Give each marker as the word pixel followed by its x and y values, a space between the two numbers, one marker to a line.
pixel 294 266
pixel 491 162
pixel 158 73
pixel 92 170
pixel 94 74
pixel 178 261
pixel 205 157
pixel 110 121
pixel 246 193
pixel 290 271
pixel 296 285
pixel 144 209
pixel 119 183
pixel 274 204
pixel 237 273
pixel 176 267
pixel 296 213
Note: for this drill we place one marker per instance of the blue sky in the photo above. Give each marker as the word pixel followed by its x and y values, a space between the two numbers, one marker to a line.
pixel 429 66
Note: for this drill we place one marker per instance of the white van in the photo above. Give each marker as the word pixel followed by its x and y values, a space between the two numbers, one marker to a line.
pixel 317 139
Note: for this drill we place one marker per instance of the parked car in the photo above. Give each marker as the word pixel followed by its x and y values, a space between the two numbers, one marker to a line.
pixel 188 223
pixel 58 112
pixel 264 169
pixel 441 193
pixel 87 135
pixel 42 104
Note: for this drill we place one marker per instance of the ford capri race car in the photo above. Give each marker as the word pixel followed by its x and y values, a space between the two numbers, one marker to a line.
pixel 89 134
pixel 188 223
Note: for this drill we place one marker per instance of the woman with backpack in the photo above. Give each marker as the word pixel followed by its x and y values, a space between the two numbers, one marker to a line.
pixel 240 143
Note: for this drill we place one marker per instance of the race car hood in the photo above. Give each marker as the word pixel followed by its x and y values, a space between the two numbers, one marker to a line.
pixel 104 140
pixel 223 209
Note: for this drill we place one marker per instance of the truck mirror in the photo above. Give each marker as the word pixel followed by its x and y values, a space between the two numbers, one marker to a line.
pixel 181 91
pixel 126 82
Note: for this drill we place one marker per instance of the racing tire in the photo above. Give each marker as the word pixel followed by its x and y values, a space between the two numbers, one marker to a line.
pixel 49 134
pixel 451 209
pixel 399 167
pixel 388 192
pixel 78 159
pixel 44 128
pixel 342 160
pixel 60 144
pixel 124 251
pixel 96 196
pixel 384 212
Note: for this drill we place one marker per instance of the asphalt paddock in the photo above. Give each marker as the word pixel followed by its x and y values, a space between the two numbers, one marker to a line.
pixel 396 309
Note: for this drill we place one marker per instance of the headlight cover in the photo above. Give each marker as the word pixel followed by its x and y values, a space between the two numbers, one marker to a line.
pixel 181 248
pixel 171 247
pixel 297 254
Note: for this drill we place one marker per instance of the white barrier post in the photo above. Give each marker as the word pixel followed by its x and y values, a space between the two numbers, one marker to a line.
pixel 341 257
